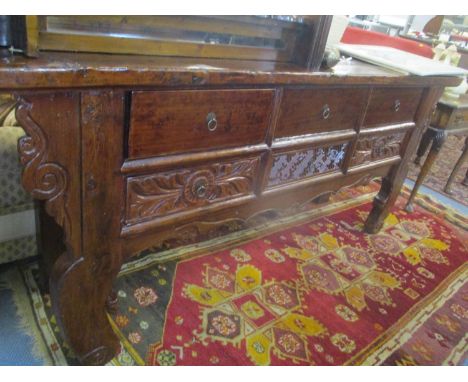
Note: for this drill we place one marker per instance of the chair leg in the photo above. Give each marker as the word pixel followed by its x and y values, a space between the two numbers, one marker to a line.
pixel 461 160
pixel 438 139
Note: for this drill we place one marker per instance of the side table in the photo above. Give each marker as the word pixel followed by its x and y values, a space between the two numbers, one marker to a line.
pixel 450 117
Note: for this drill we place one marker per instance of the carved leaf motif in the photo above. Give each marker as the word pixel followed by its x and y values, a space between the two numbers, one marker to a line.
pixel 377 147
pixel 170 192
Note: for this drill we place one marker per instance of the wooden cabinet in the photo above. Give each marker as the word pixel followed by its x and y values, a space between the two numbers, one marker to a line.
pixel 127 152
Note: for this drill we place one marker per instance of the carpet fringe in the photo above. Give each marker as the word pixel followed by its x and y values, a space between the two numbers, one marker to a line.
pixel 12 279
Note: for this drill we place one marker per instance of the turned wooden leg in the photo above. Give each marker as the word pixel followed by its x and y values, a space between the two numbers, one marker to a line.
pixel 461 160
pixel 426 140
pixel 437 143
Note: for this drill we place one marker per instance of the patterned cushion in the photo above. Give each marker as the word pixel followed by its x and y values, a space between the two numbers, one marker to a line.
pixel 9 136
pixel 12 195
pixel 13 198
pixel 18 249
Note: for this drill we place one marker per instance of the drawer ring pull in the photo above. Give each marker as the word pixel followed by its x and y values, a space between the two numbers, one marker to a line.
pixel 200 188
pixel 211 121
pixel 396 105
pixel 326 112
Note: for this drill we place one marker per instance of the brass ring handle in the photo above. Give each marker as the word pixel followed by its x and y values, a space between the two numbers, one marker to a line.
pixel 200 188
pixel 396 105
pixel 211 121
pixel 326 112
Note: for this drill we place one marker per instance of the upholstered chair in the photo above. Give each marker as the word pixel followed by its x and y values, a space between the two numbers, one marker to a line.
pixel 17 221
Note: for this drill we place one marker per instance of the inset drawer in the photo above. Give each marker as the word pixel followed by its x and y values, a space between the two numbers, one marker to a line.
pixel 163 122
pixel 391 106
pixel 309 111
pixel 184 189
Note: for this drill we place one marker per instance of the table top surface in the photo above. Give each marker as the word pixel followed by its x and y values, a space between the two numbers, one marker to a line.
pixel 71 70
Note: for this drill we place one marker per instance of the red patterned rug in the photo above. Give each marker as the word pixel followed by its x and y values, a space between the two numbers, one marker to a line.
pixel 306 290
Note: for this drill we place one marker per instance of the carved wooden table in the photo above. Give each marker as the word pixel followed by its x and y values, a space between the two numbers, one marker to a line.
pixel 127 152
pixel 450 117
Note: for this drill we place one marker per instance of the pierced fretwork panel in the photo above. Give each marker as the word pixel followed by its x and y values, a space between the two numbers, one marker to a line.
pixel 291 166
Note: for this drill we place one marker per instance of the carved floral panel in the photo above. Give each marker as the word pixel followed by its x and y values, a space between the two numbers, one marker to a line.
pixel 176 191
pixel 377 147
pixel 296 165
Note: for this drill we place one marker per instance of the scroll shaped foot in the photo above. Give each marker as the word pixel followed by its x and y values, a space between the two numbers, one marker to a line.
pixel 80 291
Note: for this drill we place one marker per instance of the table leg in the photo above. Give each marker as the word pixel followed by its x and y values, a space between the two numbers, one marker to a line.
pixel 461 160
pixel 426 140
pixel 393 181
pixel 438 139
pixel 64 134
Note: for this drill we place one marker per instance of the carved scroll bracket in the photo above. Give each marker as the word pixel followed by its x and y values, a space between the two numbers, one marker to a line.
pixel 45 180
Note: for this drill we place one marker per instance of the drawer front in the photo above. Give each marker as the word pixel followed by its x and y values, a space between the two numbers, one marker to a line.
pixel 392 105
pixel 376 147
pixel 309 111
pixel 181 190
pixel 295 165
pixel 179 121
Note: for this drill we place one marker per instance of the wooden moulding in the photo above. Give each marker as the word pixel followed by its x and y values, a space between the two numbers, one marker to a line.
pixel 313 140
pixel 157 163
